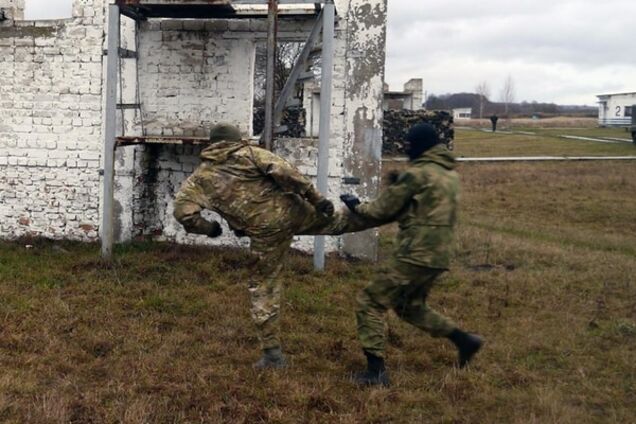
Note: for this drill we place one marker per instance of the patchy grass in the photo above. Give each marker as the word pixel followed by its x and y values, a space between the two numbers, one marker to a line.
pixel 516 123
pixel 544 269
pixel 477 143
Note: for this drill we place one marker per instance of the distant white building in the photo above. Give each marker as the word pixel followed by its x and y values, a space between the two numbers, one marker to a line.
pixel 615 110
pixel 462 113
pixel 410 99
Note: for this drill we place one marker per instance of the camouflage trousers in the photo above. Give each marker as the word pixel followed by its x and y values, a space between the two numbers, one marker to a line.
pixel 403 288
pixel 269 247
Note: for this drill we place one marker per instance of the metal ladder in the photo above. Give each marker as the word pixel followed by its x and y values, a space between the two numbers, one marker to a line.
pixel 121 104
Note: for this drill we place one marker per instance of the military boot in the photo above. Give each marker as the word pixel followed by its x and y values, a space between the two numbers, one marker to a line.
pixel 375 375
pixel 467 345
pixel 272 358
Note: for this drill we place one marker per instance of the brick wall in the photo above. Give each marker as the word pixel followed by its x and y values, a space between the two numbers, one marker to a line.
pixel 13 9
pixel 192 74
pixel 193 77
pixel 196 74
pixel 50 124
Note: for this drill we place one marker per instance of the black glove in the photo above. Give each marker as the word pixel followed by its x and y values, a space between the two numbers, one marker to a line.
pixel 392 177
pixel 350 200
pixel 215 229
pixel 325 207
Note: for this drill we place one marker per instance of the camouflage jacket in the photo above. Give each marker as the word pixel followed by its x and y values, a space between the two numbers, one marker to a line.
pixel 424 202
pixel 251 188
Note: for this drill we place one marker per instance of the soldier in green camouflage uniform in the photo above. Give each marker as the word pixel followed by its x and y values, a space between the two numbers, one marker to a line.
pixel 423 200
pixel 263 197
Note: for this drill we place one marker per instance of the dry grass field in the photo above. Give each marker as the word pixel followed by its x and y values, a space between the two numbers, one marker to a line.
pixel 544 270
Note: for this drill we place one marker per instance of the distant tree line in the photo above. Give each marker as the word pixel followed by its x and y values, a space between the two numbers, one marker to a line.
pixel 523 109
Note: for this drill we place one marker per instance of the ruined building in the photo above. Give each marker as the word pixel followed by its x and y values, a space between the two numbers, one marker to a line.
pixel 180 76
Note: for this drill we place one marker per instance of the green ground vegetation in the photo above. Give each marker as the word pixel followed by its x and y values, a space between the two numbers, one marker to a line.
pixel 543 142
pixel 544 270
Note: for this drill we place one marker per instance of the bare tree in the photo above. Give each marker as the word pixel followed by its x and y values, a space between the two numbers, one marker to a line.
pixel 508 93
pixel 286 56
pixel 483 90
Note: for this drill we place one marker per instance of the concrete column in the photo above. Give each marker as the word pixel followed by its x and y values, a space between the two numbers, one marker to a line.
pixel 110 132
pixel 366 51
pixel 326 85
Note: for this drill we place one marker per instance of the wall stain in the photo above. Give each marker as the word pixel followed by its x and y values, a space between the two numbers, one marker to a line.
pixel 29 31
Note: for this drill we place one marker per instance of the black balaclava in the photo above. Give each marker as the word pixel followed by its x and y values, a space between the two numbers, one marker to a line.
pixel 420 138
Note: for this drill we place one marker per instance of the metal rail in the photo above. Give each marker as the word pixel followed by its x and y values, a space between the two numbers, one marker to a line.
pixel 326 82
pixel 531 159
pixel 213 9
pixel 272 29
pixel 138 140
pixel 110 131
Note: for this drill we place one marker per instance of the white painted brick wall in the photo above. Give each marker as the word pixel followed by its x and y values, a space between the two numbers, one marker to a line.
pixel 50 125
pixel 193 74
pixel 193 79
pixel 14 9
pixel 197 74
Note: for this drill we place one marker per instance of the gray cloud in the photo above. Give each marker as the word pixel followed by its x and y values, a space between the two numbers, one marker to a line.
pixel 563 51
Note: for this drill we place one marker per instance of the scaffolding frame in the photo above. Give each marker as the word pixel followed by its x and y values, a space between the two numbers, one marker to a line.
pixel 325 16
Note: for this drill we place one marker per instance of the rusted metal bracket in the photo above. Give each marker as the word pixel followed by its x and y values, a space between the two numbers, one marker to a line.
pixel 122 106
pixel 139 140
pixel 124 53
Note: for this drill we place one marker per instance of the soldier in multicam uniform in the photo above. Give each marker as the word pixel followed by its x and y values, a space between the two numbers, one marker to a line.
pixel 263 197
pixel 423 200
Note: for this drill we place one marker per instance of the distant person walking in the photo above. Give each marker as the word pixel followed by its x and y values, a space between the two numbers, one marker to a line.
pixel 633 128
pixel 493 120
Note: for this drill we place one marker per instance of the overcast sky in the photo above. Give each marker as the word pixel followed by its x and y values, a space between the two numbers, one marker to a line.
pixel 563 51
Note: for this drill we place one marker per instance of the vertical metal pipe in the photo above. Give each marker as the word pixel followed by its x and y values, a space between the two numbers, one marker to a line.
pixel 272 23
pixel 110 116
pixel 326 81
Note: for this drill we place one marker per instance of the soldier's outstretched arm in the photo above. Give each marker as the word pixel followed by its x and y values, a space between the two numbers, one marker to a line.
pixel 391 201
pixel 343 221
pixel 187 211
pixel 359 217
